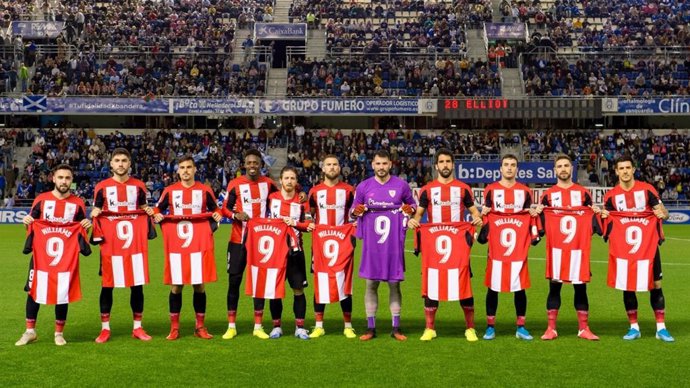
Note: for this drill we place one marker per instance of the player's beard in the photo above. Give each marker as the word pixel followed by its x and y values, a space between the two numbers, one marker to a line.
pixel 564 177
pixel 62 189
pixel 445 173
pixel 332 176
pixel 382 173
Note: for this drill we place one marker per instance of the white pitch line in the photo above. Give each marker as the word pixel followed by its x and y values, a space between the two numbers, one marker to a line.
pixel 663 263
pixel 677 239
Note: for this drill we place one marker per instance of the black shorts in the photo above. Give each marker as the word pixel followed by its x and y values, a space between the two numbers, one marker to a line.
pixel 236 259
pixel 30 275
pixel 656 266
pixel 296 271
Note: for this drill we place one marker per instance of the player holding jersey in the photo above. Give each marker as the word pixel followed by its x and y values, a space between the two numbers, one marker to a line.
pixel 567 195
pixel 507 196
pixel 630 195
pixel 57 206
pixel 445 200
pixel 329 204
pixel 121 194
pixel 285 204
pixel 382 203
pixel 246 198
pixel 188 198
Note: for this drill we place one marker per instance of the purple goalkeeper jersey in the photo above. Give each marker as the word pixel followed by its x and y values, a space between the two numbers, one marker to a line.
pixel 382 228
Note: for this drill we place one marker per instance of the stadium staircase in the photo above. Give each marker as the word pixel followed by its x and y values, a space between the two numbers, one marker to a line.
pixel 22 155
pixel 511 83
pixel 281 11
pixel 476 46
pixel 277 82
pixel 280 155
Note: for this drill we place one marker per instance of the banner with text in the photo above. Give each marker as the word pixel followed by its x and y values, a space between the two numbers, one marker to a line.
pixel 513 31
pixel 82 105
pixel 37 29
pixel 280 31
pixel 660 106
pixel 487 172
pixel 352 106
pixel 216 106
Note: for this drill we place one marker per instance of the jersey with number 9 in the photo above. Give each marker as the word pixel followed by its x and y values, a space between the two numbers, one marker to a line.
pixel 55 271
pixel 268 242
pixel 333 250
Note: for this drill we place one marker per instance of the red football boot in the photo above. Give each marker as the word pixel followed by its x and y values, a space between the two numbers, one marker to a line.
pixel 174 334
pixel 140 334
pixel 202 332
pixel 550 334
pixel 587 334
pixel 103 337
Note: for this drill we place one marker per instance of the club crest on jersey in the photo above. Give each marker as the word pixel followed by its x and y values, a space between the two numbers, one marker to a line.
pixel 392 193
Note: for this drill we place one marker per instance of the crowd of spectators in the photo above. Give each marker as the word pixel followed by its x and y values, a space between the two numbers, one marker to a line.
pixel 396 77
pixel 411 151
pixel 547 75
pixel 597 25
pixel 137 48
pixel 317 12
pixel 154 156
pixel 148 75
pixel 661 159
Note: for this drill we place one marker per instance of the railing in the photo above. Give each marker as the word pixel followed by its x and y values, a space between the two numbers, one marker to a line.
pixel 385 52
pixel 474 157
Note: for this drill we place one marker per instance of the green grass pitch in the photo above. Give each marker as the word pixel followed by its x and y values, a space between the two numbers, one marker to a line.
pixel 334 360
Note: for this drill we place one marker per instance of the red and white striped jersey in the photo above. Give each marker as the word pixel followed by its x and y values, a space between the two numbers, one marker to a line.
pixel 641 197
pixel 333 250
pixel 507 199
pixel 279 207
pixel 113 196
pixel 509 237
pixel 50 208
pixel 633 242
pixel 245 195
pixel 568 243
pixel 573 196
pixel 268 242
pixel 446 202
pixel 124 248
pixel 445 252
pixel 189 249
pixel 185 201
pixel 54 278
pixel 331 205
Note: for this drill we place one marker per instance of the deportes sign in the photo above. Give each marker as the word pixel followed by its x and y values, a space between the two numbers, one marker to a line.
pixel 13 215
pixel 487 172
